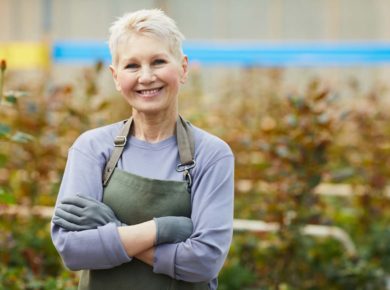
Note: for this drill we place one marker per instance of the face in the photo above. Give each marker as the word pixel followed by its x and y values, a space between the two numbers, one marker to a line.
pixel 149 75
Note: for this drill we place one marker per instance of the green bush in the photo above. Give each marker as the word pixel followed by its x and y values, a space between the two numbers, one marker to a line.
pixel 28 259
pixel 285 146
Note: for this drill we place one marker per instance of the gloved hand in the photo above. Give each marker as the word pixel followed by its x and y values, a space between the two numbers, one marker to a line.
pixel 173 229
pixel 80 213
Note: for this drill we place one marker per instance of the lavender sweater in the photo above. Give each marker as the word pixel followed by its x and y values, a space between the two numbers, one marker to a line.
pixel 200 257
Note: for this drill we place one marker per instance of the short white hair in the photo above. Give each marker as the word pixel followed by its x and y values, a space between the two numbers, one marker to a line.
pixel 150 22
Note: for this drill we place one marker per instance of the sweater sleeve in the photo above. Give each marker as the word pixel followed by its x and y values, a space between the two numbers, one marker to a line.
pixel 201 257
pixel 91 249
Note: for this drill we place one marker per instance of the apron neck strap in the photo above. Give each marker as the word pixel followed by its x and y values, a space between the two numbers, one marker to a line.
pixel 185 142
pixel 119 143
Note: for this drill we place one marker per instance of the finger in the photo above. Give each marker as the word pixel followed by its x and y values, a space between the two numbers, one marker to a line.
pixel 76 200
pixel 67 225
pixel 70 217
pixel 90 201
pixel 75 210
pixel 88 198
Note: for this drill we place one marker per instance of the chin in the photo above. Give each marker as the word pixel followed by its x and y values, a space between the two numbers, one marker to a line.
pixel 151 110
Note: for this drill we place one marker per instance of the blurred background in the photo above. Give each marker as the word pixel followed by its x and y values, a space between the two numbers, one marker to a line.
pixel 298 88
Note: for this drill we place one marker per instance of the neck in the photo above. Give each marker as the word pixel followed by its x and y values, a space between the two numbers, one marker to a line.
pixel 155 128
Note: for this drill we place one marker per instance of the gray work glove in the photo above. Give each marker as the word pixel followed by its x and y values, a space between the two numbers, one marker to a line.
pixel 78 213
pixel 173 229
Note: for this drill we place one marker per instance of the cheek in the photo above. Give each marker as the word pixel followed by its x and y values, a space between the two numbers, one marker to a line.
pixel 125 83
pixel 172 77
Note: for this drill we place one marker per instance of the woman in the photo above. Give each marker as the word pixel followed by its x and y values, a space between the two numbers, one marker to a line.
pixel 147 204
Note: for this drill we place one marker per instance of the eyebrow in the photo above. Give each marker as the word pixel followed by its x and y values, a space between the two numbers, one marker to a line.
pixel 158 55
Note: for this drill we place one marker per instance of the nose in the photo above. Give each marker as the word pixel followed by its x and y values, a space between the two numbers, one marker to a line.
pixel 146 75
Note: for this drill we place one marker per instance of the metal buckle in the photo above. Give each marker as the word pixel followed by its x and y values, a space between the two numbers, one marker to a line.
pixel 188 178
pixel 185 166
pixel 120 141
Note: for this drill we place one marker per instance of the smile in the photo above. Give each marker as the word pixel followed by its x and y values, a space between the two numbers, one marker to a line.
pixel 150 92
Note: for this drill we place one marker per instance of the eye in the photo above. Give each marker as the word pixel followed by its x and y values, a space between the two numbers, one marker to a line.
pixel 159 61
pixel 131 66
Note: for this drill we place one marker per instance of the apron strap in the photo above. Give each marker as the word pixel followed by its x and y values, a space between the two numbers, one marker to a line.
pixel 120 143
pixel 185 142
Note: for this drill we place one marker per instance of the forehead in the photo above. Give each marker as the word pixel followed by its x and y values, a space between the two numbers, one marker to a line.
pixel 139 46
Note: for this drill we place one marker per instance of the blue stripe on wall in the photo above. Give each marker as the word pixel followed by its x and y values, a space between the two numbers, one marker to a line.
pixel 80 52
pixel 245 54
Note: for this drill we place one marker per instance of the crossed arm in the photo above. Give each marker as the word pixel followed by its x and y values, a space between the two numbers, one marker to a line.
pixel 78 213
pixel 199 258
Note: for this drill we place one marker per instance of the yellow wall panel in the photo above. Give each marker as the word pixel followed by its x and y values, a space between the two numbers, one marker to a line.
pixel 25 55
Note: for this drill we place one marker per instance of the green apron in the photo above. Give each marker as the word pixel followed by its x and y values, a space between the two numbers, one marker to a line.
pixel 136 199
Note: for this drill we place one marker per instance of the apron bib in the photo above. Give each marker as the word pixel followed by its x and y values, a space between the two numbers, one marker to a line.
pixel 135 199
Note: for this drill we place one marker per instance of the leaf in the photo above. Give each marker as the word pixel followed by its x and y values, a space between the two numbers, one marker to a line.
pixel 3 160
pixel 343 174
pixel 15 94
pixel 314 180
pixel 291 120
pixel 264 146
pixel 268 124
pixel 298 103
pixel 321 95
pixel 6 198
pixel 102 106
pixel 344 115
pixel 323 119
pixel 282 151
pixel 237 276
pixel 11 99
pixel 21 137
pixel 4 130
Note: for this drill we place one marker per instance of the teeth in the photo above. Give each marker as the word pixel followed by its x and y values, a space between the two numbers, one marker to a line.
pixel 149 92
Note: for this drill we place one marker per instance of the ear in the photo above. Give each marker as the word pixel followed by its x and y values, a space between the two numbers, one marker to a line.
pixel 115 77
pixel 184 67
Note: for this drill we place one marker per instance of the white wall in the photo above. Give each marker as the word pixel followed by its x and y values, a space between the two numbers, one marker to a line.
pixel 277 20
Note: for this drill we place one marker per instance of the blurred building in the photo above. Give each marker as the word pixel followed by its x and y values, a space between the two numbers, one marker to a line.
pixel 271 20
pixel 265 21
